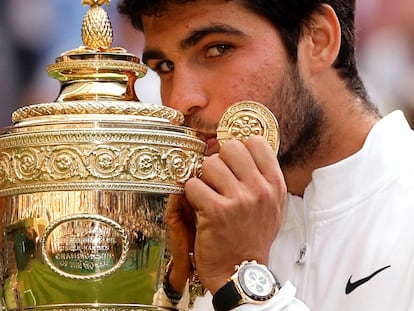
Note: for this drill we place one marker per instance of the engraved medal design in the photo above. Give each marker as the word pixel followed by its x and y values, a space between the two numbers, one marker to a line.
pixel 248 118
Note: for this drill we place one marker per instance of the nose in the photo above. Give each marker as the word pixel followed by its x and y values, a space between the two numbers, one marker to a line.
pixel 186 92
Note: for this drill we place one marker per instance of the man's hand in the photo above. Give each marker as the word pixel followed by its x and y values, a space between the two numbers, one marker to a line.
pixel 239 202
pixel 179 218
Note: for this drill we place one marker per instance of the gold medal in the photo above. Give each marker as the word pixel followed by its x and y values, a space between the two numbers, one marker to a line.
pixel 248 118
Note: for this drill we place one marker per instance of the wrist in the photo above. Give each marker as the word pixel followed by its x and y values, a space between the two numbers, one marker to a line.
pixel 173 283
pixel 217 279
pixel 173 295
pixel 251 283
pixel 215 284
pixel 178 278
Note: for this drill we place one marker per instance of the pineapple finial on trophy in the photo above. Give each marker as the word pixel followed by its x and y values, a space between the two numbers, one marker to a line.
pixel 95 2
pixel 96 27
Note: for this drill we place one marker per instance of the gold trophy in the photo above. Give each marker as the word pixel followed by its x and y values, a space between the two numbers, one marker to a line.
pixel 84 181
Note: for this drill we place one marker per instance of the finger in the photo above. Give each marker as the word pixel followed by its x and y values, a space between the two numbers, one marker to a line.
pixel 264 157
pixel 200 195
pixel 218 176
pixel 239 160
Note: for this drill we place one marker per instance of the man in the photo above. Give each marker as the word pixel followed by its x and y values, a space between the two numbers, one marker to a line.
pixel 333 213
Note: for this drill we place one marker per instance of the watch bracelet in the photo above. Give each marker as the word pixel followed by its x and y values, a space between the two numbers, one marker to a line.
pixel 169 291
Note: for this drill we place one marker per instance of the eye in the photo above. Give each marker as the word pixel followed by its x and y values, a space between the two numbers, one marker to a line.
pixel 164 67
pixel 218 50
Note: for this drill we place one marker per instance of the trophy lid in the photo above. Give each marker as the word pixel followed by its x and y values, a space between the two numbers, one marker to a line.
pixel 96 61
pixel 97 79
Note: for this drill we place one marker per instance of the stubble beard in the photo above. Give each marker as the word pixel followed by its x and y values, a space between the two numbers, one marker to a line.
pixel 301 120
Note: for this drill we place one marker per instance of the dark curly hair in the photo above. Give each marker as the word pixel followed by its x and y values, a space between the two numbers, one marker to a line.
pixel 289 17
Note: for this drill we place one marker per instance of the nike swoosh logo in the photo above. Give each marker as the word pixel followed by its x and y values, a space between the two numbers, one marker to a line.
pixel 350 286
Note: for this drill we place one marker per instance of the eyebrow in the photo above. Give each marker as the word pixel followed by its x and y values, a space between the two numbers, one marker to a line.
pixel 199 34
pixel 152 54
pixel 193 38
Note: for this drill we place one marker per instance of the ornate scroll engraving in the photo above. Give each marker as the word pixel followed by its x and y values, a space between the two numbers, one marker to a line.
pixel 126 161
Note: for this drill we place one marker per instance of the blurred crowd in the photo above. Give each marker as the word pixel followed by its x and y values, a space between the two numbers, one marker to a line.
pixel 386 53
pixel 33 33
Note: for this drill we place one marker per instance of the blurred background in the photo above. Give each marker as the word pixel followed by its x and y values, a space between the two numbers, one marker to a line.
pixel 33 33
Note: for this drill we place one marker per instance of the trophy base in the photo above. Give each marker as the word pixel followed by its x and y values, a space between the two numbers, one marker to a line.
pixel 93 307
pixel 81 250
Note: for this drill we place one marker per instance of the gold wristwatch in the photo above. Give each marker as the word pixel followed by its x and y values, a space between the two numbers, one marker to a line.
pixel 251 283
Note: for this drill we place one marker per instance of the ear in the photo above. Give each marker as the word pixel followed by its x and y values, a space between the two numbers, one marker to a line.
pixel 321 40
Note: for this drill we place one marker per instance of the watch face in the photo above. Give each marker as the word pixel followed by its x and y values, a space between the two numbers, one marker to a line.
pixel 257 281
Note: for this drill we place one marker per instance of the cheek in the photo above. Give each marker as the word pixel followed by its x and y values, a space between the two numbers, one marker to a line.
pixel 243 85
pixel 248 79
pixel 229 91
pixel 260 85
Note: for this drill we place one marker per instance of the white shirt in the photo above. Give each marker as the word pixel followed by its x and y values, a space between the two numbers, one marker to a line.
pixel 356 217
pixel 354 224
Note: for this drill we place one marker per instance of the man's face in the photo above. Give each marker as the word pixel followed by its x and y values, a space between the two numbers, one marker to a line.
pixel 212 53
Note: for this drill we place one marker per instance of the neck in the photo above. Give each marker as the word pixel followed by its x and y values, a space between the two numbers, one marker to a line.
pixel 344 135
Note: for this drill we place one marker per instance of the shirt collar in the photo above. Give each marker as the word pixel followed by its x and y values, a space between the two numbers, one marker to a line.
pixel 384 153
